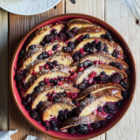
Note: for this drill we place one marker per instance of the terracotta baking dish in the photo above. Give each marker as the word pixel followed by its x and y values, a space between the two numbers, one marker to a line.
pixel 119 114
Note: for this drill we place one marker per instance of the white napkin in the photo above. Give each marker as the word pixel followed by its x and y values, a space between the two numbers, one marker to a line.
pixel 5 135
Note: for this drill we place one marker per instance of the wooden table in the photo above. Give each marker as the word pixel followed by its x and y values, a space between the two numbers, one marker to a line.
pixel 14 27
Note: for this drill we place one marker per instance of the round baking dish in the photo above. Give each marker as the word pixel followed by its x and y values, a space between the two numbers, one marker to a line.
pixel 119 114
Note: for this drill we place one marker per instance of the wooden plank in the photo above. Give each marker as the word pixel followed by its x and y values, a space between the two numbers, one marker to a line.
pixel 91 7
pixel 121 19
pixel 3 70
pixel 18 27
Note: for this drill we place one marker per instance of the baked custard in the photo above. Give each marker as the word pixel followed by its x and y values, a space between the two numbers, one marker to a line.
pixel 72 76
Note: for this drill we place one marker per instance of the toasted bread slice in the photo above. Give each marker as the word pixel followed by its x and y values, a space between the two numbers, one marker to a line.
pixel 104 58
pixel 62 59
pixel 109 70
pixel 48 75
pixel 80 120
pixel 79 23
pixel 111 45
pixel 100 89
pixel 94 31
pixel 92 105
pixel 37 64
pixel 42 32
pixel 57 89
pixel 53 110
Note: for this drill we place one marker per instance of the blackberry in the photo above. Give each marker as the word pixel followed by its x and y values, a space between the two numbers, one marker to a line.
pixel 82 129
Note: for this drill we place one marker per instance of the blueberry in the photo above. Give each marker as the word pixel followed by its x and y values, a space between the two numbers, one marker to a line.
pixel 67 49
pixel 47 39
pixel 82 86
pixel 62 36
pixel 74 30
pixel 125 94
pixel 109 117
pixel 42 43
pixel 95 125
pixel 55 63
pixel 109 108
pixel 42 83
pixel 60 116
pixel 50 65
pixel 99 46
pixel 44 55
pixel 69 34
pixel 32 47
pixel 116 78
pixel 87 63
pixel 71 45
pixel 55 81
pixel 115 53
pixel 80 65
pixel 18 77
pixel 54 48
pixel 34 114
pixel 37 89
pixel 82 129
pixel 117 65
pixel 86 36
pixel 54 32
pixel 72 130
pixel 105 49
pixel 107 36
pixel 103 77
pixel 93 44
pixel 123 84
pixel 99 109
pixel 75 56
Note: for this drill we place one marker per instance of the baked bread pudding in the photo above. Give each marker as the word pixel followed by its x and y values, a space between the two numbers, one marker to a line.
pixel 72 76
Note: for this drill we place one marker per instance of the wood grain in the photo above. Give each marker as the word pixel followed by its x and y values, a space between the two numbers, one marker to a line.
pixel 18 27
pixel 3 70
pixel 121 19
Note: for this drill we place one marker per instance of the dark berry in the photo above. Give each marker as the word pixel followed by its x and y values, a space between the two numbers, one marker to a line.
pixel 116 78
pixel 109 108
pixel 86 36
pixel 80 65
pixel 47 39
pixel 42 83
pixel 35 115
pixel 117 65
pixel 55 63
pixel 99 109
pixel 37 89
pixel 99 46
pixel 123 84
pixel 44 55
pixel 95 125
pixel 115 53
pixel 103 77
pixel 54 32
pixel 42 43
pixel 55 81
pixel 82 86
pixel 71 45
pixel 54 48
pixel 125 94
pixel 32 47
pixel 87 63
pixel 18 77
pixel 118 104
pixel 62 36
pixel 72 130
pixel 69 34
pixel 67 49
pixel 107 36
pixel 82 129
pixel 74 30
pixel 109 117
pixel 75 56
pixel 105 49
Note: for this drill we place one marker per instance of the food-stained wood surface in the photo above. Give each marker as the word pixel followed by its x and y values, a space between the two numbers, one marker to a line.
pixel 14 27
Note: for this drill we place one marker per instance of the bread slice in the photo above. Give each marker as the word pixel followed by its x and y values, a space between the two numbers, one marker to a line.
pixel 79 23
pixel 42 32
pixel 41 97
pixel 109 70
pixel 36 64
pixel 62 59
pixel 101 89
pixel 47 75
pixel 53 110
pixel 104 58
pixel 80 120
pixel 111 45
pixel 93 31
pixel 91 105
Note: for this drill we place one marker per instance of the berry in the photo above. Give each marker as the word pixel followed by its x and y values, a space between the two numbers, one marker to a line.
pixel 54 48
pixel 117 65
pixel 67 49
pixel 115 53
pixel 116 78
pixel 72 130
pixel 87 63
pixel 75 56
pixel 44 55
pixel 80 65
pixel 109 108
pixel 82 129
pixel 32 47
pixel 82 86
